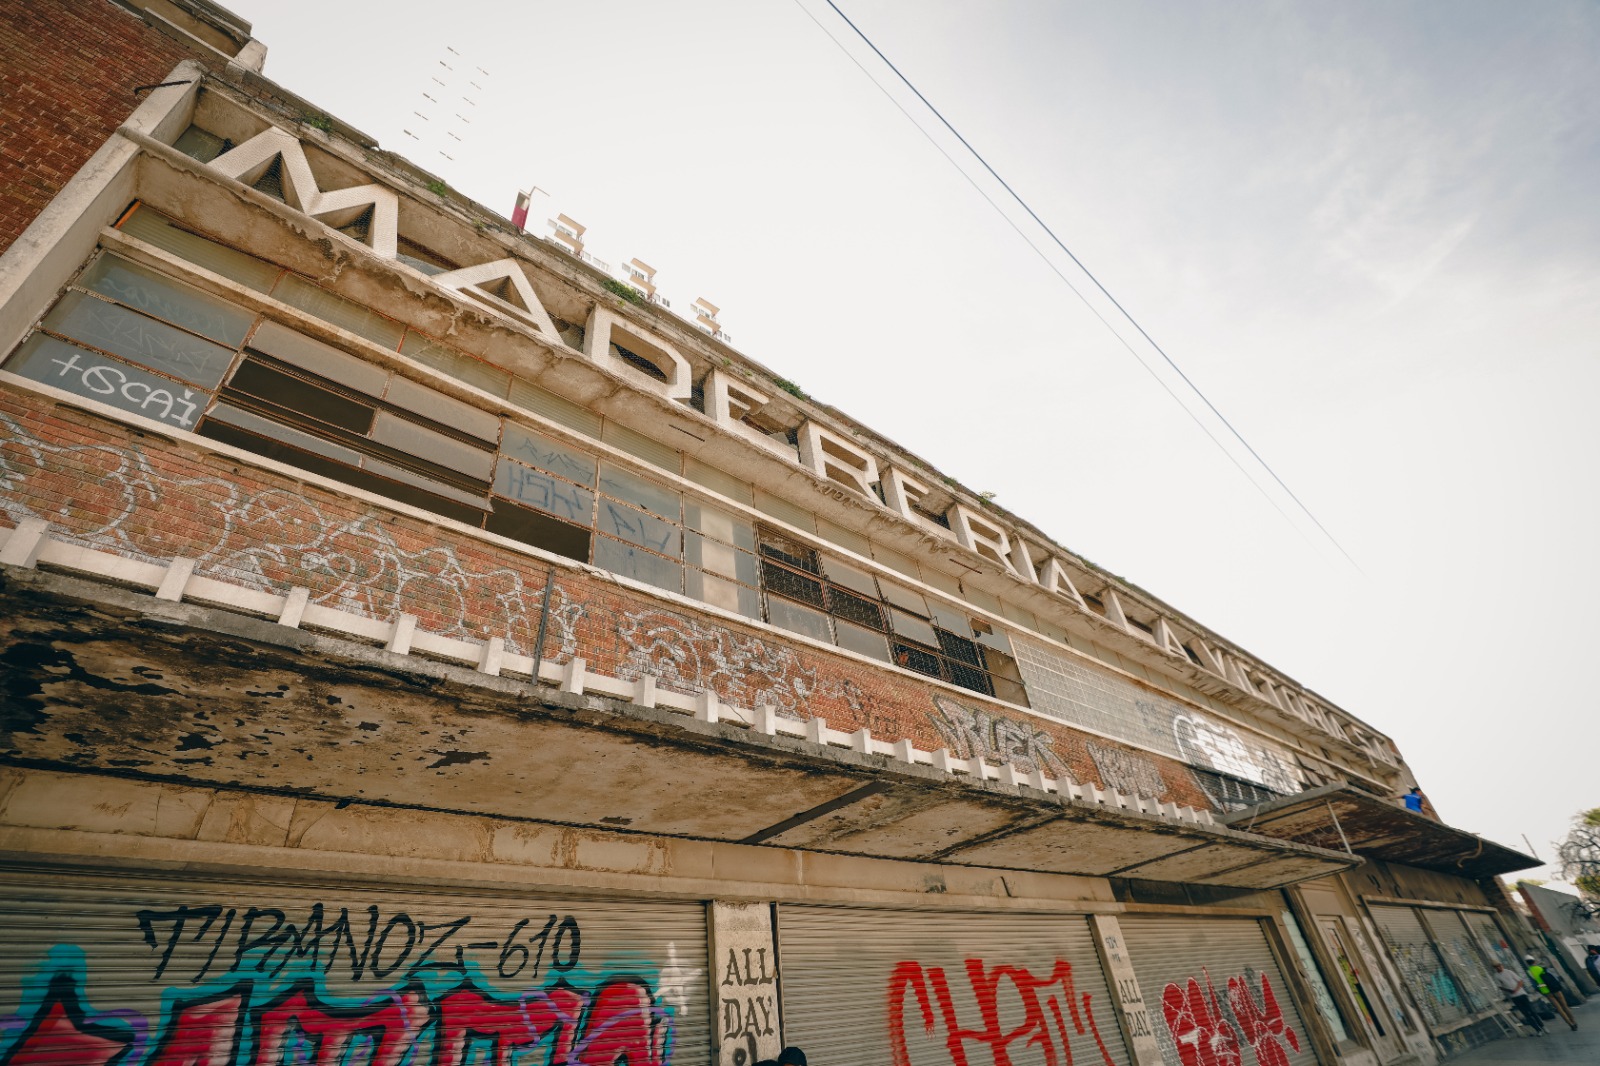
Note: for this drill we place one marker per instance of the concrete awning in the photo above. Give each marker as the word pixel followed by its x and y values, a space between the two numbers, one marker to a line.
pixel 105 679
pixel 1336 815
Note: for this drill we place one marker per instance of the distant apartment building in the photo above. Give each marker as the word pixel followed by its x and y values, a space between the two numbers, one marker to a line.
pixel 419 652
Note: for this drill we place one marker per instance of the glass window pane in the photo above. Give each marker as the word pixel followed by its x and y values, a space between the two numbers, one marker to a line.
pixel 864 641
pixel 152 227
pixel 641 565
pixel 635 526
pixel 557 409
pixel 324 360
pixel 458 365
pixel 296 291
pixel 841 573
pixel 913 628
pixel 139 339
pixel 445 410
pixel 720 558
pixel 538 489
pixel 798 619
pixel 108 380
pixel 409 477
pixel 717 480
pixel 538 450
pixel 267 427
pixel 630 488
pixel 721 593
pixel 651 451
pixel 950 618
pixel 714 522
pixel 844 538
pixel 904 598
pixel 895 561
pixel 159 295
pixel 424 443
pixel 784 511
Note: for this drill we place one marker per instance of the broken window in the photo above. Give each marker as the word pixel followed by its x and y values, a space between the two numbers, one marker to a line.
pixel 828 599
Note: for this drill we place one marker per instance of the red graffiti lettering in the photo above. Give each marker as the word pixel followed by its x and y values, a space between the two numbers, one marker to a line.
pixel 203 1032
pixel 1042 1023
pixel 1201 1032
pixel 61 1033
pixel 622 1026
pixel 392 1024
pixel 1207 1035
pixel 620 1021
pixel 1262 1022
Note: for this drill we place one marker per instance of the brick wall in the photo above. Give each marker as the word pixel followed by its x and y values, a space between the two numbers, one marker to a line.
pixel 67 73
pixel 115 488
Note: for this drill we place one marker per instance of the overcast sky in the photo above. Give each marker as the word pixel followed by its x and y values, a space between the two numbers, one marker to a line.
pixel 1370 232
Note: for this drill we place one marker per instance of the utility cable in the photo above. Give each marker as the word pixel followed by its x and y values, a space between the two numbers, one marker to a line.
pixel 1045 258
pixel 1090 275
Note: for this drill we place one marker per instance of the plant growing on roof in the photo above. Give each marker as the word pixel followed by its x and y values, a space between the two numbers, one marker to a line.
pixel 623 289
pixel 791 388
pixel 318 122
pixel 438 188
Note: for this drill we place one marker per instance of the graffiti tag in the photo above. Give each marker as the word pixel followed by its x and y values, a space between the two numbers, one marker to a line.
pixel 1049 1005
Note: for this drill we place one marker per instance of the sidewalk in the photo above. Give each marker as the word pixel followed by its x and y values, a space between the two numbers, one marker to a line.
pixel 1559 1044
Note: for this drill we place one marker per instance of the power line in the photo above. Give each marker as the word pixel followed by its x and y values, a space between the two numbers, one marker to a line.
pixel 1090 275
pixel 1045 258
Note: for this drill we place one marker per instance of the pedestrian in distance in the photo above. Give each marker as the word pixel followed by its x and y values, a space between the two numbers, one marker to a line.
pixel 1516 990
pixel 1413 799
pixel 1592 962
pixel 1555 990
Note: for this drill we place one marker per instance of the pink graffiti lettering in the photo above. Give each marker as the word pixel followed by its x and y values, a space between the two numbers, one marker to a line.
pixel 620 1021
pixel 1043 1024
pixel 1207 1035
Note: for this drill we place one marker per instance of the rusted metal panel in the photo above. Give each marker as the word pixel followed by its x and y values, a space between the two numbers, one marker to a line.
pixel 1335 815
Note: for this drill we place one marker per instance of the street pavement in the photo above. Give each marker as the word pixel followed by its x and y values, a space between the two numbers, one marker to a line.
pixel 1558 1045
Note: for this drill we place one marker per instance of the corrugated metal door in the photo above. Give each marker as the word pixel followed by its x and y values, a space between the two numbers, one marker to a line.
pixel 1213 984
pixel 163 971
pixel 1462 958
pixel 1419 964
pixel 1493 942
pixel 866 987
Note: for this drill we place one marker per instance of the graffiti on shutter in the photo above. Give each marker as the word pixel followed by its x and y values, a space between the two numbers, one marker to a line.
pixel 208 983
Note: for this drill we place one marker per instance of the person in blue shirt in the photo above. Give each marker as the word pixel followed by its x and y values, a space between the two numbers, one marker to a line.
pixel 1413 799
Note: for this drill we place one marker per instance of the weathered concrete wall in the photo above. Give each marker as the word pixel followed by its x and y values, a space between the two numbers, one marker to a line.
pixel 116 488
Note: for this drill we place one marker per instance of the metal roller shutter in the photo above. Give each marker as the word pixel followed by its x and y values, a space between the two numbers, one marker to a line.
pixel 1420 967
pixel 166 971
pixel 1212 984
pixel 993 987
pixel 1463 959
pixel 1491 940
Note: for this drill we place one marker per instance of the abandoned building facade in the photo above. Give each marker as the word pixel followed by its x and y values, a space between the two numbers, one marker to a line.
pixel 420 650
